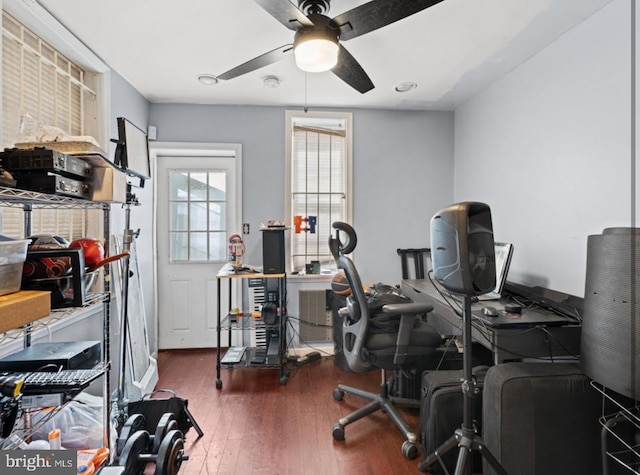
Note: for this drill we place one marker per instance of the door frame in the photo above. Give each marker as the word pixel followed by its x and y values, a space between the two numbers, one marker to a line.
pixel 187 149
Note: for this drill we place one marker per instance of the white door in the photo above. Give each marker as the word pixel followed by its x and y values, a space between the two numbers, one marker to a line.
pixel 198 208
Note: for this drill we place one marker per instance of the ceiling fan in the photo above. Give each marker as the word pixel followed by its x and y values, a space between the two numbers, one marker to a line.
pixel 316 45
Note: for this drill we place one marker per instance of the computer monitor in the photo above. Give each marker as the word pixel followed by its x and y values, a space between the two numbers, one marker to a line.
pixel 503 252
pixel 132 151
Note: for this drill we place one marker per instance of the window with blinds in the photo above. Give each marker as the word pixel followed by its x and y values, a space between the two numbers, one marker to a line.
pixel 319 183
pixel 40 87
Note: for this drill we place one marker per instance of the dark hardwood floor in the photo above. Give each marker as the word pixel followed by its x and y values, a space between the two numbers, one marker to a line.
pixel 255 425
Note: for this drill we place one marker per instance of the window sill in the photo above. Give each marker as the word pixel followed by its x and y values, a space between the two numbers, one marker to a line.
pixel 310 278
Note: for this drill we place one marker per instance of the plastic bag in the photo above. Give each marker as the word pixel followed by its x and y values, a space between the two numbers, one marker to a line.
pixel 80 423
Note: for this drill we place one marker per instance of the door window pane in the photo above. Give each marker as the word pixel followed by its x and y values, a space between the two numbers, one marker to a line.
pixel 198 216
pixel 218 246
pixel 217 186
pixel 217 216
pixel 198 247
pixel 179 216
pixel 179 185
pixel 179 243
pixel 198 186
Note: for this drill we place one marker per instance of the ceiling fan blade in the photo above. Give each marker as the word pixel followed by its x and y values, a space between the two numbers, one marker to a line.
pixel 350 71
pixel 376 14
pixel 258 62
pixel 286 13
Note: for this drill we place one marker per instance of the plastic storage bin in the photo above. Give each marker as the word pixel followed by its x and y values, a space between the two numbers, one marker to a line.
pixel 12 256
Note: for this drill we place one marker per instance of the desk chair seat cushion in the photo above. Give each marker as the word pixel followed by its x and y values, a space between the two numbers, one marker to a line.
pixel 381 347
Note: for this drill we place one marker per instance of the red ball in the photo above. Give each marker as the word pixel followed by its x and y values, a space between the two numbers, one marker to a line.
pixel 92 249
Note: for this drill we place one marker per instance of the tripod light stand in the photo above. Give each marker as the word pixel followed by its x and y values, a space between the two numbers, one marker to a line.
pixel 463 258
pixel 120 397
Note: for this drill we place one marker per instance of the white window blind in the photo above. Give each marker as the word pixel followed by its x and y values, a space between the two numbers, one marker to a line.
pixel 41 87
pixel 319 185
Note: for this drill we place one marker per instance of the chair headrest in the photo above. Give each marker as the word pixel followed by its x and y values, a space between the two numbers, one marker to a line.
pixel 337 244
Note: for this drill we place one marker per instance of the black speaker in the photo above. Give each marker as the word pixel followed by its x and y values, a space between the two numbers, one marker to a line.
pixel 610 344
pixel 273 251
pixel 269 313
pixel 462 248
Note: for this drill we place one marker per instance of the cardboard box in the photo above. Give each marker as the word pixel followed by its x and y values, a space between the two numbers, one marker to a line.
pixel 19 308
pixel 108 184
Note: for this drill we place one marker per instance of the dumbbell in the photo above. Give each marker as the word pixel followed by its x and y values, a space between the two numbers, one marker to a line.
pixel 166 424
pixel 137 422
pixel 134 423
pixel 168 458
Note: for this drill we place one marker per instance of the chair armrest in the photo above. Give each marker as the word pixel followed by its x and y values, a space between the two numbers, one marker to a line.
pixel 408 314
pixel 413 308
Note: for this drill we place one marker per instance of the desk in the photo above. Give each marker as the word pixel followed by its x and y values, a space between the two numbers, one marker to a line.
pixel 275 354
pixel 561 338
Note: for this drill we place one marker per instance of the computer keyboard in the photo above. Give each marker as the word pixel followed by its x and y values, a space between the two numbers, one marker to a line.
pixel 66 380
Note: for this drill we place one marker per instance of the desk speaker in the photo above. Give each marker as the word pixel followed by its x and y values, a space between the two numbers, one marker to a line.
pixel 273 260
pixel 462 248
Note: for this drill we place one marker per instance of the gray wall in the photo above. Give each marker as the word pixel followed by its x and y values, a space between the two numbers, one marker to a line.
pixel 403 172
pixel 548 147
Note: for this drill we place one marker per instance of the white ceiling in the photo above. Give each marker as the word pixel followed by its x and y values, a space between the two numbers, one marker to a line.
pixel 452 50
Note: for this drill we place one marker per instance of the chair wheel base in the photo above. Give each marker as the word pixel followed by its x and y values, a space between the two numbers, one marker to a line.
pixel 409 450
pixel 338 394
pixel 338 432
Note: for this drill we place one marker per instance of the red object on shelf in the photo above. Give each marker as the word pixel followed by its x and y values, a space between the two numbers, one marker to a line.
pixel 92 249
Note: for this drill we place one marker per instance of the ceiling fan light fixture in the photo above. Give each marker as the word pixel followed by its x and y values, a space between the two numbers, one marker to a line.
pixel 315 51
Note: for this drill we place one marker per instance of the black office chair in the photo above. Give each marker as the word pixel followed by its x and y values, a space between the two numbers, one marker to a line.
pixel 369 345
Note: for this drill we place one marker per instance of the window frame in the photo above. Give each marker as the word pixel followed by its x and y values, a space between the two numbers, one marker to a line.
pixel 96 114
pixel 37 19
pixel 323 117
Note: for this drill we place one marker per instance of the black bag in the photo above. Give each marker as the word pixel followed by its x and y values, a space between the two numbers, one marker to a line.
pixel 154 408
pixel 379 296
pixel 441 413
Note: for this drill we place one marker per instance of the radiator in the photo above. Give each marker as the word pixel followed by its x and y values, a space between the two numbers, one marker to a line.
pixel 315 317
